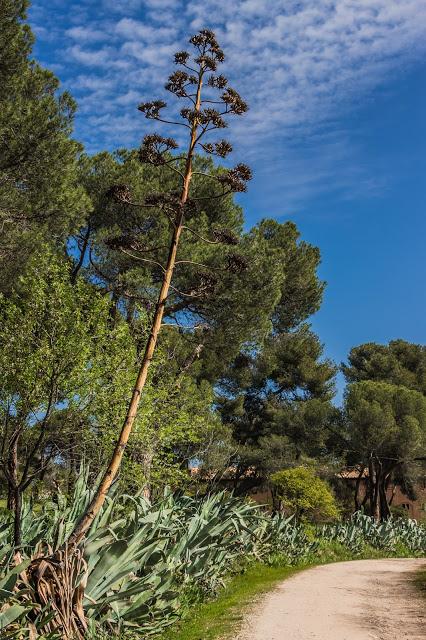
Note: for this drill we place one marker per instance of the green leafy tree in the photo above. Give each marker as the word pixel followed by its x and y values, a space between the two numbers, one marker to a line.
pixel 399 362
pixel 65 369
pixel 301 492
pixel 277 402
pixel 39 197
pixel 57 355
pixel 386 429
pixel 169 430
pixel 276 396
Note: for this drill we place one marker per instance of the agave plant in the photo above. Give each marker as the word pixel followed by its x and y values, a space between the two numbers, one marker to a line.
pixel 139 557
pixel 361 530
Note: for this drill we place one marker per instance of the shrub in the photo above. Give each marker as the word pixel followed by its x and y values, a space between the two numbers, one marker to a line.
pixel 301 492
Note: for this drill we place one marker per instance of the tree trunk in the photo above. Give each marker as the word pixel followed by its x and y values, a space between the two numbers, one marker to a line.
pixel 10 497
pixel 83 251
pixel 378 480
pixel 14 497
pixel 17 525
pixel 384 506
pixel 357 489
pixel 371 483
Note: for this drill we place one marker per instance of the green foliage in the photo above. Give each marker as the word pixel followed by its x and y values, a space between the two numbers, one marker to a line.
pixel 148 563
pixel 65 369
pixel 40 200
pixel 171 426
pixel 50 329
pixel 399 362
pixel 385 415
pixel 385 419
pixel 302 492
pixel 205 333
pixel 244 304
pixel 62 366
pixel 277 401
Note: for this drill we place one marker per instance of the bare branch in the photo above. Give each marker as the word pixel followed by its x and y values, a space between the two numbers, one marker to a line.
pixel 169 166
pixel 180 124
pixel 143 259
pixel 195 233
pixel 197 264
pixel 43 425
pixel 185 295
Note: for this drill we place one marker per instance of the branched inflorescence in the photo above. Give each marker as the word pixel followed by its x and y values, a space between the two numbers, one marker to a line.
pixel 154 149
pixel 200 117
pixel 225 236
pixel 235 179
pixel 120 193
pixel 236 263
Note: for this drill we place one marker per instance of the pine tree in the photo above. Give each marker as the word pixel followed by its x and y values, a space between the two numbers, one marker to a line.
pixel 39 197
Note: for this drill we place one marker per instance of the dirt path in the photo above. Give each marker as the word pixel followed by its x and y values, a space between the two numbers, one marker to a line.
pixel 360 600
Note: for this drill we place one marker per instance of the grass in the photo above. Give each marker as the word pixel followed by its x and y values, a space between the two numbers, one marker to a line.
pixel 217 618
pixel 220 618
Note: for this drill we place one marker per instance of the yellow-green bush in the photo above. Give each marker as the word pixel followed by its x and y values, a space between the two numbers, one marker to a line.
pixel 301 492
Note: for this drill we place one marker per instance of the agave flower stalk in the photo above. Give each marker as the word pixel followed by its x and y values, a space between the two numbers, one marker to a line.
pixel 58 581
pixel 199 120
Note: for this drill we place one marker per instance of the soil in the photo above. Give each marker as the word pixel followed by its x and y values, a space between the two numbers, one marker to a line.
pixel 358 600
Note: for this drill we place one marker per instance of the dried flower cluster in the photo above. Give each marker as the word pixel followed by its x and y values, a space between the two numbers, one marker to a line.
pixel 235 179
pixel 218 82
pixel 225 236
pixel 154 149
pixel 220 149
pixel 181 57
pixel 152 109
pixel 120 193
pixel 178 82
pixel 234 102
pixel 236 263
pixel 210 52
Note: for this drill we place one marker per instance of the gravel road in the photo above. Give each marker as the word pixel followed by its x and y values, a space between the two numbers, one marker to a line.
pixel 359 600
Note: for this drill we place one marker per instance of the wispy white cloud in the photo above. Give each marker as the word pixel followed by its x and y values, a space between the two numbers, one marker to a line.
pixel 104 57
pixel 131 29
pixel 85 34
pixel 299 63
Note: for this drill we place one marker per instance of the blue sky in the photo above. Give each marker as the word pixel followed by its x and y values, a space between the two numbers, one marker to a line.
pixel 335 134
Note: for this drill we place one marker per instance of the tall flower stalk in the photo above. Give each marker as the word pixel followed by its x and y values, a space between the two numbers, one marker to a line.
pixel 200 117
pixel 57 581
